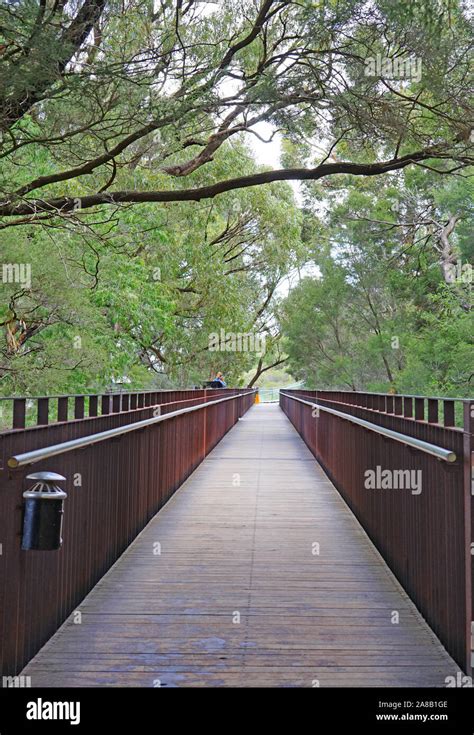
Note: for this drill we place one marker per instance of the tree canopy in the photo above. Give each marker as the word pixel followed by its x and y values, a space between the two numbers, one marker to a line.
pixel 104 86
pixel 131 197
pixel 392 306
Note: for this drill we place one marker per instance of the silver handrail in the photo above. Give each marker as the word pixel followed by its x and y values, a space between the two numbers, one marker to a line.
pixel 35 455
pixel 445 454
pixel 390 395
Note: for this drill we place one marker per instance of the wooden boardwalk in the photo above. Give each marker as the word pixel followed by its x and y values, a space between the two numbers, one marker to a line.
pixel 265 578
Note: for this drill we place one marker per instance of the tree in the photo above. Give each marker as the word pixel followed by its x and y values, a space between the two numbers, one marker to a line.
pixel 382 315
pixel 105 87
pixel 138 297
pixel 128 187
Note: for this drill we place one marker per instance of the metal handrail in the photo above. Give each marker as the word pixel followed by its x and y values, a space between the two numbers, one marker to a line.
pixel 35 455
pixel 119 392
pixel 388 395
pixel 445 454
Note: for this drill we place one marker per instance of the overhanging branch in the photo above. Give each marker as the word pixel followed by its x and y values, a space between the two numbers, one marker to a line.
pixel 65 204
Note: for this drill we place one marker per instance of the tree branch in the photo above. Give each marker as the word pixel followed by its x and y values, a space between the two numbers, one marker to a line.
pixel 64 204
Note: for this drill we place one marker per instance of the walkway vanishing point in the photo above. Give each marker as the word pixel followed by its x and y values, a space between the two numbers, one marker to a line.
pixel 255 573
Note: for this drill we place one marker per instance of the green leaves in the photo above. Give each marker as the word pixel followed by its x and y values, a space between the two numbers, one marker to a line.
pixel 137 296
pixel 381 315
pixel 153 99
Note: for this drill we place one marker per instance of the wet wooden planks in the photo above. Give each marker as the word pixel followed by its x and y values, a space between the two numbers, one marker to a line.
pixel 254 574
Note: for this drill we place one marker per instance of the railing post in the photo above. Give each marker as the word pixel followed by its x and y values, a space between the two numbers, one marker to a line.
pixel 432 411
pixel 79 407
pixel 19 413
pixel 63 408
pixel 419 409
pixel 93 405
pixel 43 411
pixel 449 418
pixel 468 441
pixel 408 407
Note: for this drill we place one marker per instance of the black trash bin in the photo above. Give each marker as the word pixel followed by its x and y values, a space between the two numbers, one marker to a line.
pixel 43 513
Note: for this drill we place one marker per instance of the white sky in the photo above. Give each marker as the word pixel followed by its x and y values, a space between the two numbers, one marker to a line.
pixel 269 154
pixel 266 154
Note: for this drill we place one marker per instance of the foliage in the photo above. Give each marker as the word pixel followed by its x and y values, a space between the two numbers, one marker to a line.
pixel 136 297
pixel 129 189
pixel 392 307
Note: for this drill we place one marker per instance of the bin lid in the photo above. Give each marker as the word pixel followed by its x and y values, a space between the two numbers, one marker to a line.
pixel 45 492
pixel 45 486
pixel 46 477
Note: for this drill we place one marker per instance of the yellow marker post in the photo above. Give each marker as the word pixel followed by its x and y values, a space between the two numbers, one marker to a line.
pixel 257 398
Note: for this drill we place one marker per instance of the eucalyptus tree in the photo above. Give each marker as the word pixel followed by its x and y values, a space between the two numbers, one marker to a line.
pixel 124 131
pixel 392 306
pixel 137 296
pixel 105 86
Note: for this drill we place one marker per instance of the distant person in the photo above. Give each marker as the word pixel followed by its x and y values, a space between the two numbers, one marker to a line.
pixel 218 381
